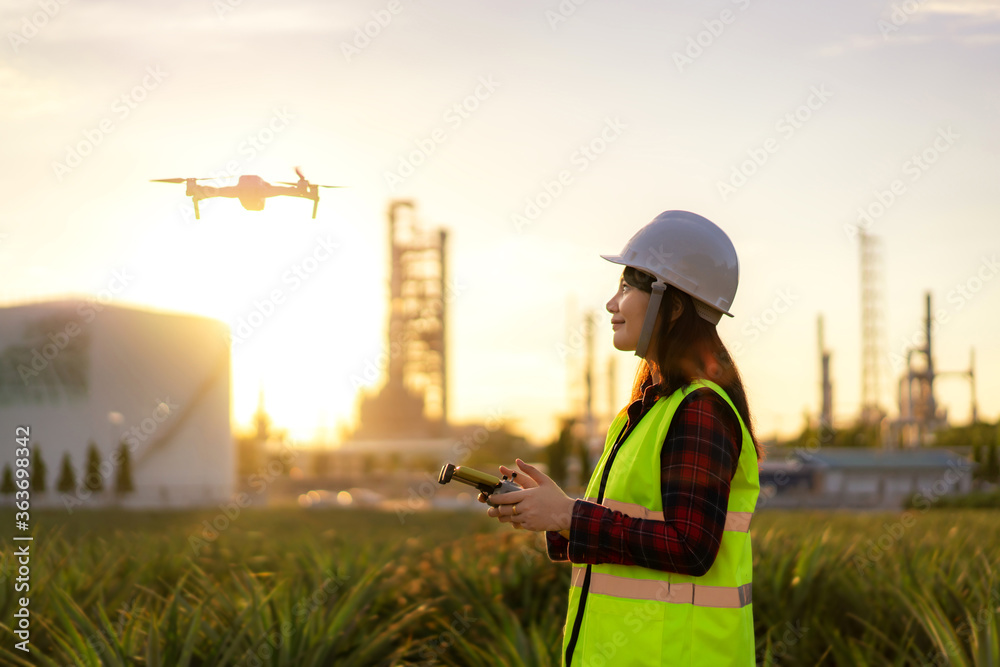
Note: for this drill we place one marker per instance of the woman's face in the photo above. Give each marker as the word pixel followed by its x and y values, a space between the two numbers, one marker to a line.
pixel 628 310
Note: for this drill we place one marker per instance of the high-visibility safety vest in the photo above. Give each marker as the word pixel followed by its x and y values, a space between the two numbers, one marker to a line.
pixel 632 615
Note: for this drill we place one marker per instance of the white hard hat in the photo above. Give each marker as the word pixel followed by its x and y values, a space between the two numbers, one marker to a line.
pixel 691 253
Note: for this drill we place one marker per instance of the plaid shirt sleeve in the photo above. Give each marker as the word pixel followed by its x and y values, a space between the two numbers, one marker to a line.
pixel 556 545
pixel 697 462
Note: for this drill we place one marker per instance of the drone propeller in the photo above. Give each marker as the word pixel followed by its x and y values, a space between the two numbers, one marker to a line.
pixel 177 180
pixel 302 178
pixel 315 185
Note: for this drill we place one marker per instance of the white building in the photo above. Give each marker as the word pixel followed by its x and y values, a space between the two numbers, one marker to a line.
pixel 862 478
pixel 81 371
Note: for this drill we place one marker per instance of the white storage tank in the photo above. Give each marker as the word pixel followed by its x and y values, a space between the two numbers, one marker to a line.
pixel 81 371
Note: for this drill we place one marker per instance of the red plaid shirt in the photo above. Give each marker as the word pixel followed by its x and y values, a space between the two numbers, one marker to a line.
pixel 698 461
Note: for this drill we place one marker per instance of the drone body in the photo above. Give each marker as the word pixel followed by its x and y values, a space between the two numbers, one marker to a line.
pixel 252 191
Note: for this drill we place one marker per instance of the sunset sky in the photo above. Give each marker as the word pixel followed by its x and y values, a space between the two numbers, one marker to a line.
pixel 541 135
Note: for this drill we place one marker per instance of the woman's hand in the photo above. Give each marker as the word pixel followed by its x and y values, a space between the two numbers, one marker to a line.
pixel 540 505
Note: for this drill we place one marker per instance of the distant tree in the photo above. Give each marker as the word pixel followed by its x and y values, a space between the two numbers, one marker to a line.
pixel 321 463
pixel 67 476
pixel 991 469
pixel 499 447
pixel 7 487
pixel 38 470
pixel 584 453
pixel 857 435
pixel 92 480
pixel 123 480
pixel 969 435
pixel 559 451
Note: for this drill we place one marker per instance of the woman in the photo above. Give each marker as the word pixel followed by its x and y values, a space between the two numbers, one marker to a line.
pixel 660 545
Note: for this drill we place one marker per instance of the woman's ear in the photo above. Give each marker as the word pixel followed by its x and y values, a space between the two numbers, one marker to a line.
pixel 677 310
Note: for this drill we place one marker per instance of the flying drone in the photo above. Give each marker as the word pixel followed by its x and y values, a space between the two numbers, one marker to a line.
pixel 252 191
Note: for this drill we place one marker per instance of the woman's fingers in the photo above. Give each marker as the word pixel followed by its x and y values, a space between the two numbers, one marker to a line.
pixel 532 473
pixel 504 515
pixel 518 477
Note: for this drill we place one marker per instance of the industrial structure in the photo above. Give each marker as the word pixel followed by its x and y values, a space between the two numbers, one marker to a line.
pixel 920 416
pixel 872 310
pixel 404 434
pixel 82 372
pixel 581 381
pixel 413 402
pixel 826 387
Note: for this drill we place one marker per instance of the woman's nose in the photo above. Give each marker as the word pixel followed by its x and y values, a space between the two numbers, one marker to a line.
pixel 611 305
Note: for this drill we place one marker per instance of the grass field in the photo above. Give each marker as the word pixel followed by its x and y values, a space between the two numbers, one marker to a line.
pixel 357 587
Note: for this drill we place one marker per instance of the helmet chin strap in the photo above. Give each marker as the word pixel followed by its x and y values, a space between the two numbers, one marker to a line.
pixel 647 324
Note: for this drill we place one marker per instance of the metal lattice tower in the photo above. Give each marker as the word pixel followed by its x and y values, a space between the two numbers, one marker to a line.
pixel 872 311
pixel 417 303
pixel 414 400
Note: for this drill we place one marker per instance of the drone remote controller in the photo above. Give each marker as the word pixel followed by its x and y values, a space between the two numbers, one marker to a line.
pixel 488 484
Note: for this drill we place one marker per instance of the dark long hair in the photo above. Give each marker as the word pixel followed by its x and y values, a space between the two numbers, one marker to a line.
pixel 689 350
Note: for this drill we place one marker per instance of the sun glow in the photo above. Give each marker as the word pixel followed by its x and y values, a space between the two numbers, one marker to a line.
pixel 303 299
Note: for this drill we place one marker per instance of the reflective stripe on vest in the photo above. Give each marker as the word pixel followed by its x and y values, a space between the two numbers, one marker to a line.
pixel 738 522
pixel 664 591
